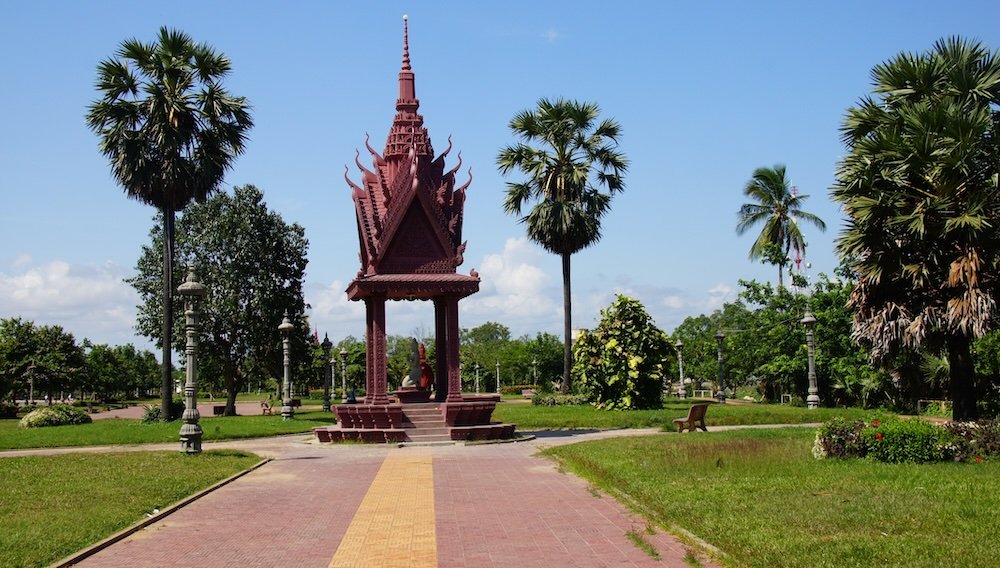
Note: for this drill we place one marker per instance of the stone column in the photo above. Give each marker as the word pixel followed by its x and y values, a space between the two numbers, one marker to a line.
pixel 191 432
pixel 369 346
pixel 440 349
pixel 378 384
pixel 454 393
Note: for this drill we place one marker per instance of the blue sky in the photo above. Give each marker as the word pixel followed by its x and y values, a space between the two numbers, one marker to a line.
pixel 705 91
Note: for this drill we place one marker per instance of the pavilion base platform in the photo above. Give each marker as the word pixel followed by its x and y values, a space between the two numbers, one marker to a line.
pixel 416 422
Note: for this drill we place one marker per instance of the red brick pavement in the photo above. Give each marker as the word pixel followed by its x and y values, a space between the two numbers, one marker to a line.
pixel 497 506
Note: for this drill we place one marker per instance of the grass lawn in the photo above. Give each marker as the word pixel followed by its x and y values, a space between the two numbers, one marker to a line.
pixel 575 417
pixel 52 506
pixel 760 497
pixel 116 431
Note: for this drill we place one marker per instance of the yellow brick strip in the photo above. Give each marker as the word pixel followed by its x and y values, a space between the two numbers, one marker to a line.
pixel 394 525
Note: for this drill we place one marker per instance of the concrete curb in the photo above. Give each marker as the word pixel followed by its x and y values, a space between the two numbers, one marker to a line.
pixel 124 533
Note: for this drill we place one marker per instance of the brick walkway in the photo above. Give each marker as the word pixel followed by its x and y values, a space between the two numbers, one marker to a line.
pixel 449 506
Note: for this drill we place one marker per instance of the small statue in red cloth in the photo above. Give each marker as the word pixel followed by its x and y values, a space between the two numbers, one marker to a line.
pixel 426 374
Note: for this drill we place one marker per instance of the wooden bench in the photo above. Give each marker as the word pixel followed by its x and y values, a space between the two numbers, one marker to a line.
pixel 219 410
pixel 702 393
pixel 695 417
pixel 265 407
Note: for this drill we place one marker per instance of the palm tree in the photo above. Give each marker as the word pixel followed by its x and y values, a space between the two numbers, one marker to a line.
pixel 577 156
pixel 171 131
pixel 780 210
pixel 919 189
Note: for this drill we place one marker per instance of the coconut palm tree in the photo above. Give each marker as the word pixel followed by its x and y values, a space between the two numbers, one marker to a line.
pixel 571 173
pixel 780 210
pixel 919 189
pixel 171 131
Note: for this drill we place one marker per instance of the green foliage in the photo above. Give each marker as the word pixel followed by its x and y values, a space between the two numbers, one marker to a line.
pixel 558 399
pixel 975 440
pixel 839 438
pixel 620 363
pixel 912 441
pixel 56 415
pixel 46 357
pixel 252 264
pixel 521 359
pixel 155 413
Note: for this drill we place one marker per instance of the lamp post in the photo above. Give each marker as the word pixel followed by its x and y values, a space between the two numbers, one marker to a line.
pixel 343 375
pixel 477 378
pixel 721 339
pixel 498 377
pixel 286 385
pixel 534 371
pixel 191 432
pixel 809 320
pixel 681 391
pixel 327 371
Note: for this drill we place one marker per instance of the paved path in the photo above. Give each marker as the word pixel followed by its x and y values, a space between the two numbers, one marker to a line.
pixel 324 505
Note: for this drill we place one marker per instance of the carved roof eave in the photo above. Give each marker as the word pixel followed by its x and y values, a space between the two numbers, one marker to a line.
pixel 413 286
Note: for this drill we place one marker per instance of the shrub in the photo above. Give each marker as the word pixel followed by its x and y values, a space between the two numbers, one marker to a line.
pixel 516 389
pixel 8 409
pixel 975 439
pixel 839 438
pixel 58 415
pixel 899 441
pixel 558 399
pixel 153 413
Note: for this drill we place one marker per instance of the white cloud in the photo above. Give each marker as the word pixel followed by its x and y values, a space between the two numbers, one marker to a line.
pixel 88 300
pixel 717 296
pixel 552 35
pixel 516 291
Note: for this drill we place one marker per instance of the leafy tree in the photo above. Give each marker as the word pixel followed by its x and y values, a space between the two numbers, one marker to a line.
pixel 779 209
pixel 577 156
pixel 171 131
pixel 919 187
pixel 620 362
pixel 252 264
pixel 45 357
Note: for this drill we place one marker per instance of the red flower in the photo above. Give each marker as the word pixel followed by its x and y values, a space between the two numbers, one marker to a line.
pixel 875 423
pixel 878 436
pixel 979 459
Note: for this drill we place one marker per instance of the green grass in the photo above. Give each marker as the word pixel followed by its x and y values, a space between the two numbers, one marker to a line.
pixel 117 431
pixel 576 417
pixel 52 506
pixel 760 497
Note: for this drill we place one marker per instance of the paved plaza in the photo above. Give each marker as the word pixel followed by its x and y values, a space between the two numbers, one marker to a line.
pixel 318 505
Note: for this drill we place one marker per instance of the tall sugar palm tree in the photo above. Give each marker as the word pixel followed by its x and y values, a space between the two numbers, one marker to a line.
pixel 171 131
pixel 572 166
pixel 779 209
pixel 919 189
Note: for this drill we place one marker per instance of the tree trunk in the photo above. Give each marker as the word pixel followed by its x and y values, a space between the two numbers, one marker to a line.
pixel 231 389
pixel 567 325
pixel 781 273
pixel 166 370
pixel 962 374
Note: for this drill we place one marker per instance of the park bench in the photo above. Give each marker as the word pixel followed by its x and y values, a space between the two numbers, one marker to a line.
pixel 218 410
pixel 265 407
pixel 695 417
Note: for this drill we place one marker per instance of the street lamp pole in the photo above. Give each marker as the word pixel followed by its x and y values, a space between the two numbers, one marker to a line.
pixel 191 432
pixel 534 370
pixel 286 385
pixel 327 371
pixel 721 339
pixel 681 391
pixel 477 378
pixel 809 320
pixel 498 377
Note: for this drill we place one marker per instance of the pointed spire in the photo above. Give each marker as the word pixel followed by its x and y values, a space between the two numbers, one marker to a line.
pixel 407 91
pixel 406 44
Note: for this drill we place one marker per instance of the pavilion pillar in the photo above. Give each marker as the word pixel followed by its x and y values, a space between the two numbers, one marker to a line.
pixel 369 346
pixel 454 362
pixel 440 350
pixel 376 391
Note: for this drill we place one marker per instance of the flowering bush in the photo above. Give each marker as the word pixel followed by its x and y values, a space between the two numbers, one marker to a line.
pixel 8 410
pixel 898 441
pixel 558 399
pixel 974 440
pixel 58 415
pixel 839 438
pixel 892 440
